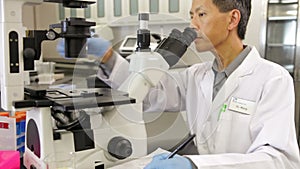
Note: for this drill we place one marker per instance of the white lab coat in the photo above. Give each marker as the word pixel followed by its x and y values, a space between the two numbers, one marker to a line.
pixel 256 130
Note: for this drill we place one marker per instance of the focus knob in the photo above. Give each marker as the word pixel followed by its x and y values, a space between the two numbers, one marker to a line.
pixel 119 147
pixel 29 53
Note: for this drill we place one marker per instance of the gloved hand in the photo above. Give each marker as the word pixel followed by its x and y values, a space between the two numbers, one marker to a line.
pixel 160 161
pixel 95 46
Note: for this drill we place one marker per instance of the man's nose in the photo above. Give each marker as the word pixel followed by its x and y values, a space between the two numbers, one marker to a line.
pixel 194 24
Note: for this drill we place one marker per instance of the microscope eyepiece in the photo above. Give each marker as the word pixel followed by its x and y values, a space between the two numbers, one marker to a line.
pixel 189 35
pixel 186 37
pixel 175 33
pixel 173 47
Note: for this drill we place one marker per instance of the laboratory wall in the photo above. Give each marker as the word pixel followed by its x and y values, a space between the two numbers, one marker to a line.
pixel 115 19
pixel 118 18
pixel 256 29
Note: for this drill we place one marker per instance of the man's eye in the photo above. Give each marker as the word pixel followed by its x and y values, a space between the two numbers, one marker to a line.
pixel 201 14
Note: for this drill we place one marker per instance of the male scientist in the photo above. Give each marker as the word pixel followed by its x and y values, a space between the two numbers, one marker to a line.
pixel 240 106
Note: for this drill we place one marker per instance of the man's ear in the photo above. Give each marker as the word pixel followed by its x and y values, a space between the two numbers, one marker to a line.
pixel 235 19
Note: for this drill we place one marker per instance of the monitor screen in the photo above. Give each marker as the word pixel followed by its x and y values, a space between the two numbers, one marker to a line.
pixel 130 42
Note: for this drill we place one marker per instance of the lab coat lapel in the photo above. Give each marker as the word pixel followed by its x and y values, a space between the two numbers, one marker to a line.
pixel 229 86
pixel 206 84
pixel 232 83
pixel 227 89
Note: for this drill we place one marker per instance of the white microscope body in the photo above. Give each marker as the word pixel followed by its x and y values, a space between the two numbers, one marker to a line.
pixel 109 126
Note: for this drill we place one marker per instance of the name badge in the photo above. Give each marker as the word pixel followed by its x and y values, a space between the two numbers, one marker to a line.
pixel 242 106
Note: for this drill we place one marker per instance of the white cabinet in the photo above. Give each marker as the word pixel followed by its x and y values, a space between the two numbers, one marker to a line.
pixel 124 12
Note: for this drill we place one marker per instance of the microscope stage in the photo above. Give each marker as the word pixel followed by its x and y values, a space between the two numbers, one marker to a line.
pixel 41 96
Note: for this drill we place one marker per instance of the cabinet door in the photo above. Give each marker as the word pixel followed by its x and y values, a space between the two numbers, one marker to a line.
pixel 283 55
pixel 281 33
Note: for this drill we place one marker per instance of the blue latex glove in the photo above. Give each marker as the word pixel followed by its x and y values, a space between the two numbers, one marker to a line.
pixel 95 46
pixel 160 161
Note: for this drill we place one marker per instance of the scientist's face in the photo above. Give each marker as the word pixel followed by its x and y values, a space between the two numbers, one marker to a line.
pixel 210 24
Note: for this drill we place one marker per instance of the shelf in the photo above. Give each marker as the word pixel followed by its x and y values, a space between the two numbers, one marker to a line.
pixel 283 2
pixel 282 18
pixel 280 45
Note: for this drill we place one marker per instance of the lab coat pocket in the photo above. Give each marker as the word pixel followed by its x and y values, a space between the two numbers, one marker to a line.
pixel 233 134
pixel 210 131
pixel 227 133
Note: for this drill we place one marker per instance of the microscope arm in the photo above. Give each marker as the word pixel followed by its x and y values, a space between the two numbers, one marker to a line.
pixel 11 60
pixel 146 68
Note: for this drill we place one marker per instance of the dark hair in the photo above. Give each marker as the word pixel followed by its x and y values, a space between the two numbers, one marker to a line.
pixel 244 6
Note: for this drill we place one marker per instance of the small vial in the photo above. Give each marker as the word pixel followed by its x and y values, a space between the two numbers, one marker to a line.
pixel 18 124
pixel 5 114
pixel 22 115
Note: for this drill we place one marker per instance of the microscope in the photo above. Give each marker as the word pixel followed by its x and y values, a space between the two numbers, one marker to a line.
pixel 73 129
pixel 99 128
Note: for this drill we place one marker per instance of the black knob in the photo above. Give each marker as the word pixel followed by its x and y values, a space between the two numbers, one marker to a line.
pixel 119 147
pixel 29 53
